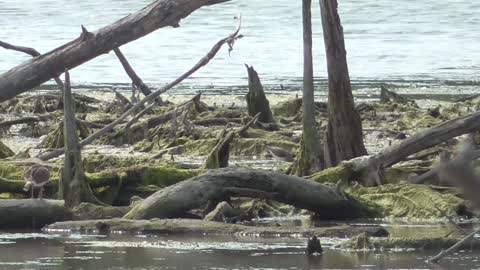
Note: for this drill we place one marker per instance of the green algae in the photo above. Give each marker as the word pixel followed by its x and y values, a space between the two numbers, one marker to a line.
pixel 408 200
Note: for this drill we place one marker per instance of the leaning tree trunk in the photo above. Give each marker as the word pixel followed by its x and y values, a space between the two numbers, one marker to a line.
pixel 74 188
pixel 40 69
pixel 257 102
pixel 344 138
pixel 311 155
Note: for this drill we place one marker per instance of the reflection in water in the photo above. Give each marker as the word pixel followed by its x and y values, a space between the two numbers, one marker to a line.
pixel 133 252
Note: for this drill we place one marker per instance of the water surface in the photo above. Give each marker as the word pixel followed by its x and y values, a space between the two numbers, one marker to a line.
pixel 387 40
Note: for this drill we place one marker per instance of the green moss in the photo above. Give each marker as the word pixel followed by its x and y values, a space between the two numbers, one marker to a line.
pixel 288 108
pixel 408 200
pixel 332 175
pixel 11 196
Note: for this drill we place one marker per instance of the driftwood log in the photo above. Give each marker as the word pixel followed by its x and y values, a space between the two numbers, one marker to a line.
pixel 390 96
pixel 161 13
pixel 174 201
pixel 31 213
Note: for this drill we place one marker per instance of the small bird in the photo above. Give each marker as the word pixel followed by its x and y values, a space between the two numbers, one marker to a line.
pixel 36 176
pixel 280 153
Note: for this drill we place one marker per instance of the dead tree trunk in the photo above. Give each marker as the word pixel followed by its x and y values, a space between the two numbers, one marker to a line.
pixel 174 201
pixel 158 14
pixel 257 102
pixel 74 188
pixel 311 153
pixel 344 138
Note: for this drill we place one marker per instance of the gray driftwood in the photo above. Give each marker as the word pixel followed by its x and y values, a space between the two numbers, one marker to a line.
pixel 160 13
pixel 175 200
pixel 31 213
pixel 257 102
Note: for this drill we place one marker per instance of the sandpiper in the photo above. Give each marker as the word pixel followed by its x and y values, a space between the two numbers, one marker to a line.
pixel 280 153
pixel 36 176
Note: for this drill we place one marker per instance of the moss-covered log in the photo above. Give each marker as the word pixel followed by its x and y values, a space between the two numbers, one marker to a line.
pixel 31 213
pixel 201 227
pixel 175 200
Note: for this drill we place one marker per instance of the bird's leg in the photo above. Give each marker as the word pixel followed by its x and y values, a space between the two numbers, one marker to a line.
pixel 40 193
pixel 31 197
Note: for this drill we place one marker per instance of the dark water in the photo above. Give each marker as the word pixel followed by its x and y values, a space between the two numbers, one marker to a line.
pixel 40 251
pixel 387 40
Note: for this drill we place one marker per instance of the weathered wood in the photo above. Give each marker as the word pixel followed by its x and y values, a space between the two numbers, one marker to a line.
pixel 175 200
pixel 429 138
pixel 73 187
pixel 158 14
pixel 311 153
pixel 390 96
pixel 31 213
pixel 203 62
pixel 344 138
pixel 136 80
pixel 220 154
pixel 201 227
pixel 257 102
pixel 33 53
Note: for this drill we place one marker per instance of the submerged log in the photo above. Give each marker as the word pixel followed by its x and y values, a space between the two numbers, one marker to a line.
pixel 175 200
pixel 31 213
pixel 201 227
pixel 161 13
pixel 257 102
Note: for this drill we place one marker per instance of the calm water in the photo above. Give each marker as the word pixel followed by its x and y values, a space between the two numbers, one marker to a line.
pixel 49 252
pixel 388 40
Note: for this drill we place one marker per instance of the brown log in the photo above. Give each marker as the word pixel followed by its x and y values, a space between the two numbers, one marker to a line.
pixel 40 69
pixel 344 138
pixel 173 201
pixel 203 62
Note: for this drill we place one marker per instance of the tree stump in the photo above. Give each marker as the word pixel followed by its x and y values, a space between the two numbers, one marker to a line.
pixel 257 102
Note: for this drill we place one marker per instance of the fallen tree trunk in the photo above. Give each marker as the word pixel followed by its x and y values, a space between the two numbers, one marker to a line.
pixel 31 213
pixel 429 138
pixel 40 69
pixel 175 200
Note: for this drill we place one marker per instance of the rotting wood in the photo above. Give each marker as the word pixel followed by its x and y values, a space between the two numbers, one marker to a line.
pixel 230 39
pixel 73 187
pixel 159 14
pixel 257 101
pixel 343 138
pixel 220 154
